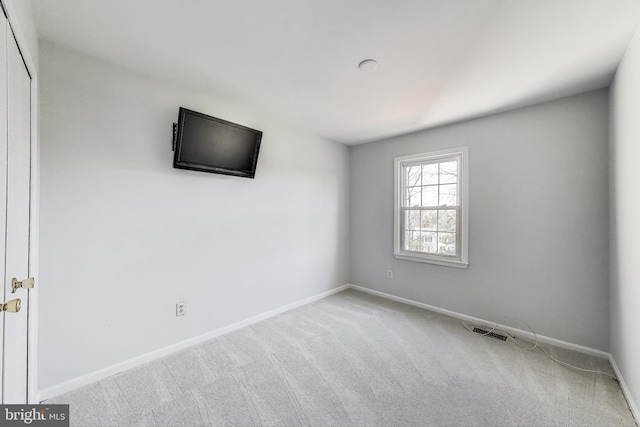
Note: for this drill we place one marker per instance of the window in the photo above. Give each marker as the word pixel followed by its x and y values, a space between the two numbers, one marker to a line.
pixel 431 215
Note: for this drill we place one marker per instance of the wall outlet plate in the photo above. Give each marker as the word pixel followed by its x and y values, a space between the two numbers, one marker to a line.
pixel 181 308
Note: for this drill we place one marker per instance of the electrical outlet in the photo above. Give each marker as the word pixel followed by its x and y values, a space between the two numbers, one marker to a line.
pixel 181 308
pixel 389 274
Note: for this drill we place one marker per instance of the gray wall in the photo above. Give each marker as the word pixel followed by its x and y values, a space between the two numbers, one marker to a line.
pixel 625 219
pixel 538 225
pixel 124 236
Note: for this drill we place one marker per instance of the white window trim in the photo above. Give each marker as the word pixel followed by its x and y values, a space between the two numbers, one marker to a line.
pixel 463 262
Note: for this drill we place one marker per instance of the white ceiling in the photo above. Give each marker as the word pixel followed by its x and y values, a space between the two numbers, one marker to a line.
pixel 440 61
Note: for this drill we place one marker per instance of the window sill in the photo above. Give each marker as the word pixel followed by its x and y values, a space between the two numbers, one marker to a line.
pixel 432 260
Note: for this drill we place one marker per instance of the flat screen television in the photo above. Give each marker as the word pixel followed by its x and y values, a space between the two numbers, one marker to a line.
pixel 208 144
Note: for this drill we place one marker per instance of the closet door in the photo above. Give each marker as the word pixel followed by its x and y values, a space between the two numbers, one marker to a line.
pixel 4 295
pixel 18 186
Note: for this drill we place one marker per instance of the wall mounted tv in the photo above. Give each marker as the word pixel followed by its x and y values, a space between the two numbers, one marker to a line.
pixel 208 144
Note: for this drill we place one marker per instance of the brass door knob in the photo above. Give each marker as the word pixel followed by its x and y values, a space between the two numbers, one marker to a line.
pixel 12 306
pixel 24 284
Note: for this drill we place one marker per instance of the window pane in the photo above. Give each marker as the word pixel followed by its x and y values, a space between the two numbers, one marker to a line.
pixel 430 242
pixel 430 174
pixel 429 220
pixel 448 195
pixel 430 196
pixel 448 172
pixel 447 244
pixel 413 175
pixel 447 220
pixel 412 241
pixel 413 196
pixel 412 220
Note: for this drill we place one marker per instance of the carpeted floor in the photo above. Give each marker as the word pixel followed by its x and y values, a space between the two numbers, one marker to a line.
pixel 353 359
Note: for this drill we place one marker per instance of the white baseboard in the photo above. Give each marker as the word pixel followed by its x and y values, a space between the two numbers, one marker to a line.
pixel 92 377
pixel 481 322
pixel 625 390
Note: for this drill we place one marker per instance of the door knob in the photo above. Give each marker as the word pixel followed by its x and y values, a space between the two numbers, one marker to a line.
pixel 12 306
pixel 25 284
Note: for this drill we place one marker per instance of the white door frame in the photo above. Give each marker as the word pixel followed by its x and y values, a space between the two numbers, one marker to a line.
pixel 32 363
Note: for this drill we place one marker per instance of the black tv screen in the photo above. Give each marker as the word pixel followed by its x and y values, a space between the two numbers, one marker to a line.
pixel 208 144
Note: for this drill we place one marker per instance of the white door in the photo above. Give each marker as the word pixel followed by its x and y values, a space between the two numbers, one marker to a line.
pixel 15 180
pixel 3 181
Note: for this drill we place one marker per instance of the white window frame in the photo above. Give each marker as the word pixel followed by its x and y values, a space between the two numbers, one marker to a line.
pixel 462 259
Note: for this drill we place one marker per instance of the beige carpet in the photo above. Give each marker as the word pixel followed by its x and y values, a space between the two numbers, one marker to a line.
pixel 353 360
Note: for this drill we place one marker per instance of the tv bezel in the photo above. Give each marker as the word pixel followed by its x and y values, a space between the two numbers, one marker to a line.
pixel 178 164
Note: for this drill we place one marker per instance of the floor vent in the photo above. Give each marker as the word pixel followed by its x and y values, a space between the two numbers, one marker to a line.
pixel 489 334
